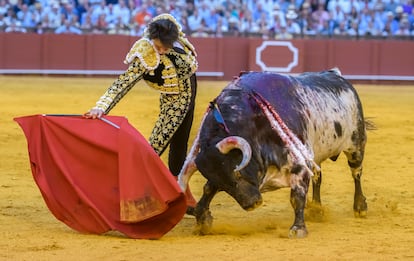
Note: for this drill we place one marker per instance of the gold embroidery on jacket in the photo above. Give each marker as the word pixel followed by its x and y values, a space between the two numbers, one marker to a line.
pixel 144 50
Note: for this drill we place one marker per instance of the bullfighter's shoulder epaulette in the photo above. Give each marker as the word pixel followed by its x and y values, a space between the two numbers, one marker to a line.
pixel 144 50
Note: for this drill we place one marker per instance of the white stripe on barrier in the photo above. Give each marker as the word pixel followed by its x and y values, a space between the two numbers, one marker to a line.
pixel 201 74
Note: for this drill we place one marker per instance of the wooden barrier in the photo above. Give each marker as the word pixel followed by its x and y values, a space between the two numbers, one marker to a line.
pixel 219 58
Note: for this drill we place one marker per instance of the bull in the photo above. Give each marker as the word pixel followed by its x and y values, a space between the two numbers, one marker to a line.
pixel 267 131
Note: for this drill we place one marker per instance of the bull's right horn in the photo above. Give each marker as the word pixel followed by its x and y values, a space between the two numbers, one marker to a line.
pixel 236 142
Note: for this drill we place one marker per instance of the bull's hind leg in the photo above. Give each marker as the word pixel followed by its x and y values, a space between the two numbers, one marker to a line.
pixel 299 189
pixel 202 210
pixel 316 188
pixel 355 164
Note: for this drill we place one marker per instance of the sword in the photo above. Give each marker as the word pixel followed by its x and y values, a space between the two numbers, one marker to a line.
pixel 75 115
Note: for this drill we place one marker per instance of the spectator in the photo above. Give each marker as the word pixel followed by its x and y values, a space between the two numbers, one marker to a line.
pixel 233 26
pixel 136 30
pixel 53 16
pixel 151 8
pixel 259 13
pixel 285 6
pixel 337 15
pixel 68 10
pixel 283 34
pixel 386 31
pixel 176 10
pixel 306 21
pixel 247 25
pixel 119 28
pixel 277 15
pixel 341 30
pixel 275 24
pixel 372 24
pixel 404 28
pixel 292 26
pixel 101 25
pixel 265 30
pixel 211 19
pixel 371 30
pixel 142 16
pixel 200 32
pixel 15 27
pixel 371 15
pixel 410 18
pixel 183 20
pixel 98 10
pixel 121 10
pixel 4 6
pixel 111 16
pixel 367 4
pixel 81 8
pixel 353 29
pixel 27 17
pixel 42 28
pixel 326 29
pixel 87 24
pixel 67 28
pixel 395 24
pixel 190 8
pixel 408 6
pixel 204 9
pixel 2 23
pixel 391 5
pixel 194 20
pixel 346 6
pixel 10 17
pixel 320 16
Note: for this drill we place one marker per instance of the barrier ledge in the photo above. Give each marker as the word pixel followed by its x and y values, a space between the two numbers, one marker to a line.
pixel 89 72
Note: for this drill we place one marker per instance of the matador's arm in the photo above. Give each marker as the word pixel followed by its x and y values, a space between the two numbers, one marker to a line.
pixel 121 86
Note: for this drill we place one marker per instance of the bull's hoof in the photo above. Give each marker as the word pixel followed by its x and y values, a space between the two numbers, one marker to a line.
pixel 203 229
pixel 204 222
pixel 360 207
pixel 298 232
pixel 360 214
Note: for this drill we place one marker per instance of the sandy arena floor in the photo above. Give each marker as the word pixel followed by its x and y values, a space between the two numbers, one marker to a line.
pixel 28 231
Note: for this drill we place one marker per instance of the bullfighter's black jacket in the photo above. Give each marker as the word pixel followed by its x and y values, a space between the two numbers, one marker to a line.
pixel 168 73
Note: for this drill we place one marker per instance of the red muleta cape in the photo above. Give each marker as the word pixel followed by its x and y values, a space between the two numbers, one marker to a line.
pixel 102 175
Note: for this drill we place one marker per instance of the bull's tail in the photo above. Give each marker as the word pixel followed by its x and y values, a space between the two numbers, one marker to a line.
pixel 369 124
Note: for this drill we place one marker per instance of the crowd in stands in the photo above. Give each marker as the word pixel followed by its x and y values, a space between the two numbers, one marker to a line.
pixel 280 19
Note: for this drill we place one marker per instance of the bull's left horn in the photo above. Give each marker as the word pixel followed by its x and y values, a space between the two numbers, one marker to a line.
pixel 236 142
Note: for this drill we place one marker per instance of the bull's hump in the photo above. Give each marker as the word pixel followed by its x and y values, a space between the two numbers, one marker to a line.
pixel 262 82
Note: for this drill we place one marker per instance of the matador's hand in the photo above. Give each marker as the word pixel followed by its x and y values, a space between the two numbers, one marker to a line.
pixel 94 113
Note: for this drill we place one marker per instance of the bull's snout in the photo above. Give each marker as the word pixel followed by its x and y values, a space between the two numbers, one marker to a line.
pixel 254 205
pixel 248 201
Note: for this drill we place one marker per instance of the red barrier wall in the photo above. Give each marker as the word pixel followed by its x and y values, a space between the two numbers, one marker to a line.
pixel 220 58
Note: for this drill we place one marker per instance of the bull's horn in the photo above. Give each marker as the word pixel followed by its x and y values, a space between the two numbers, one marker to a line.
pixel 236 142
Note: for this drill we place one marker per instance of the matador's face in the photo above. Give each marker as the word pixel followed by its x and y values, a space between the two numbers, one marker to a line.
pixel 160 47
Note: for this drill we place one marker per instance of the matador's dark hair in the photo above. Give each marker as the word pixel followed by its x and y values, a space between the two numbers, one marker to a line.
pixel 165 30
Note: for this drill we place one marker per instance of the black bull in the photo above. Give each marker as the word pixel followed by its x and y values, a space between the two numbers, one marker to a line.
pixel 266 131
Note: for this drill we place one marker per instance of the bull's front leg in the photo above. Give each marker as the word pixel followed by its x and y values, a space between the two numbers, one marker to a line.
pixel 299 188
pixel 202 210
